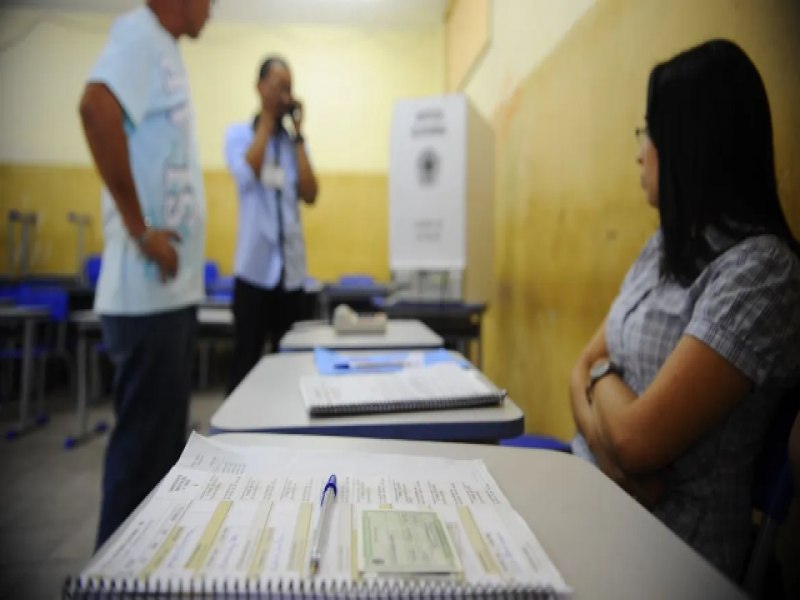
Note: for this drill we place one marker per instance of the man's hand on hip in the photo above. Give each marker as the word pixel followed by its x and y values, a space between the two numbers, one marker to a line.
pixel 157 245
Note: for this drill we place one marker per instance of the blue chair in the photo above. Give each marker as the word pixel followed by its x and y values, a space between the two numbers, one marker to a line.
pixel 218 288
pixel 91 269
pixel 538 441
pixel 9 293
pixel 356 280
pixel 772 492
pixel 210 275
pixel 353 289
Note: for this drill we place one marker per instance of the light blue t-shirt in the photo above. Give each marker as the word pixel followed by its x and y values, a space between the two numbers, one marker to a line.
pixel 142 66
pixel 258 259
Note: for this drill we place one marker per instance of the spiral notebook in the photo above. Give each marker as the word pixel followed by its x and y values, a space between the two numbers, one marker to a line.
pixel 237 521
pixel 432 387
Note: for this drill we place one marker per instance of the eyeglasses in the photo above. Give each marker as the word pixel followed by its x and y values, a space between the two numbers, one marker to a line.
pixel 641 134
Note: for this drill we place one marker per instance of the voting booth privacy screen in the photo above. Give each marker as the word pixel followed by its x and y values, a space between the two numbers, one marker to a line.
pixel 441 187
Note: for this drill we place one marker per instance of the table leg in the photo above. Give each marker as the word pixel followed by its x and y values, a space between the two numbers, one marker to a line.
pixel 82 412
pixel 204 361
pixel 323 306
pixel 27 372
pixel 82 385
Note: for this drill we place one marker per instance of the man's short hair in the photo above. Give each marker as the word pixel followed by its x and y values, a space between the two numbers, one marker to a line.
pixel 268 63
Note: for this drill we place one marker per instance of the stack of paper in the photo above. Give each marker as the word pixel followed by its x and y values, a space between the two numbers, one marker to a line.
pixel 434 387
pixel 231 517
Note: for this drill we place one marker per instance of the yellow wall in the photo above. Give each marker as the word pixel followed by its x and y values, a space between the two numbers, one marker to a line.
pixel 467 37
pixel 51 192
pixel 349 78
pixel 570 215
pixel 523 33
pixel 346 231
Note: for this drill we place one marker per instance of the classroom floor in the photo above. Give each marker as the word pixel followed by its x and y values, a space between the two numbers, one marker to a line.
pixel 50 498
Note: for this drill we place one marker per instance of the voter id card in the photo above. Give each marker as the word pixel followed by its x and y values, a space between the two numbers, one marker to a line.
pixel 404 542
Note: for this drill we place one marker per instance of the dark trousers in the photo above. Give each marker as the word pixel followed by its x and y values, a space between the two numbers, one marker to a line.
pixel 152 357
pixel 260 314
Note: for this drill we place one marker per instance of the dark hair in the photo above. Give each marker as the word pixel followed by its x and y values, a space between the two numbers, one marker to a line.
pixel 709 119
pixel 263 71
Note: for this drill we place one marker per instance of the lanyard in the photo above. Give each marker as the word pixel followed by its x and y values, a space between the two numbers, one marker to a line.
pixel 279 204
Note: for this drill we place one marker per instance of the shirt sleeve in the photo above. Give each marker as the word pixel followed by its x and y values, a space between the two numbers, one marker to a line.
pixel 126 66
pixel 237 141
pixel 749 311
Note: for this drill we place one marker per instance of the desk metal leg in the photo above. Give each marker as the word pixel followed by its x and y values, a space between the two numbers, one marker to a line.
pixel 82 385
pixel 94 375
pixel 323 306
pixel 83 396
pixel 28 331
pixel 204 362
pixel 7 374
pixel 27 372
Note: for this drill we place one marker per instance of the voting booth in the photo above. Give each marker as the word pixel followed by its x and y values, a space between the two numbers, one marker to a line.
pixel 441 200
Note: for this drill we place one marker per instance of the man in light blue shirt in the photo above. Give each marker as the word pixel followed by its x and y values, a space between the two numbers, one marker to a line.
pixel 139 123
pixel 272 173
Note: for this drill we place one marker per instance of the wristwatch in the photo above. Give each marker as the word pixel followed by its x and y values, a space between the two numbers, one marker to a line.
pixel 599 370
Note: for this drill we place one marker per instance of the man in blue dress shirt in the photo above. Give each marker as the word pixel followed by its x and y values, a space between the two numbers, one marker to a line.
pixel 138 119
pixel 272 173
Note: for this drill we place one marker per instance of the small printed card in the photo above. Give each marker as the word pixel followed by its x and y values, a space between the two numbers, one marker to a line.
pixel 405 541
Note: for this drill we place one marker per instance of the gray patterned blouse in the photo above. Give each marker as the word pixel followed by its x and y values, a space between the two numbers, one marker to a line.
pixel 745 305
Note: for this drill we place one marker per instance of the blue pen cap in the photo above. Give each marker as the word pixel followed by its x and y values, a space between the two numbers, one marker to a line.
pixel 331 485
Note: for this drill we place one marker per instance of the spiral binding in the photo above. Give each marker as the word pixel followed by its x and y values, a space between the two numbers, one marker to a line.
pixel 295 589
pixel 408 405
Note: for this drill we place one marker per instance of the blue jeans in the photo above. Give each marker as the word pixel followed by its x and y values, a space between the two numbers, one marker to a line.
pixel 152 357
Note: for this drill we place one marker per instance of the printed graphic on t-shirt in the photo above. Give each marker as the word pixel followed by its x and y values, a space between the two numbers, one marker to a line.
pixel 173 78
pixel 179 193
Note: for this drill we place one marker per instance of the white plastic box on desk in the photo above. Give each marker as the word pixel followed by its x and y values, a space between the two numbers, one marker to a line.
pixel 441 200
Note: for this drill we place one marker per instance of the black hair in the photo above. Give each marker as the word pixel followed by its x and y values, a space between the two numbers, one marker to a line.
pixel 265 67
pixel 264 70
pixel 709 119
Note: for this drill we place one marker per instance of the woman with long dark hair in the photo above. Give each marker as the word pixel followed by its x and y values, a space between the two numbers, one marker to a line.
pixel 672 395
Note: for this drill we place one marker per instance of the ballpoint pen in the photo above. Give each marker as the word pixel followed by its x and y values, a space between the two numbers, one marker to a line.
pixel 321 534
pixel 366 365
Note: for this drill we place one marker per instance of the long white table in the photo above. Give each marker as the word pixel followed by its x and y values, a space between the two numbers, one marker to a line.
pixel 268 400
pixel 605 544
pixel 400 334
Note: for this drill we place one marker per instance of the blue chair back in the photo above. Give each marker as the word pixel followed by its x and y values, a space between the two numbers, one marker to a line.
pixel 539 441
pixel 55 299
pixel 211 274
pixel 356 280
pixel 91 269
pixel 9 292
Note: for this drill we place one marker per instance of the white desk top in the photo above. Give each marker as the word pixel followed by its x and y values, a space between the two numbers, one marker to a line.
pixel 269 400
pixel 21 313
pixel 400 334
pixel 603 542
pixel 220 315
